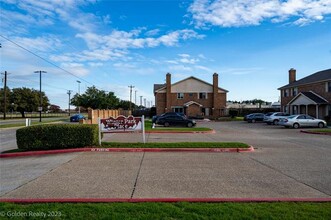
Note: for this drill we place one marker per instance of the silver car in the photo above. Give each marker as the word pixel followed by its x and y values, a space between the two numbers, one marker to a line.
pixel 297 121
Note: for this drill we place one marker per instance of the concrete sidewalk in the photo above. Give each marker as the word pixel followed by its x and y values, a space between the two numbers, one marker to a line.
pixel 164 175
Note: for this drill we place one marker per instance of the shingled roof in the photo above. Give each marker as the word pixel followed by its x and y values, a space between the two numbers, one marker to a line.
pixel 158 86
pixel 323 75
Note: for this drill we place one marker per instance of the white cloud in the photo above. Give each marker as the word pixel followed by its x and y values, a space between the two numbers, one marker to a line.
pixel 77 69
pixel 47 12
pixel 234 13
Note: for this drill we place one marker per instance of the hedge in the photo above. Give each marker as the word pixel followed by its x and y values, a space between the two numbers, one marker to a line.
pixel 57 136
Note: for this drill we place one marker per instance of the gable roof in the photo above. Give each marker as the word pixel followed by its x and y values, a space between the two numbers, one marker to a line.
pixel 158 87
pixel 323 75
pixel 312 96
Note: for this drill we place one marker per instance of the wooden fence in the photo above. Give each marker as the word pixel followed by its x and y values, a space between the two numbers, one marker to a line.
pixel 94 114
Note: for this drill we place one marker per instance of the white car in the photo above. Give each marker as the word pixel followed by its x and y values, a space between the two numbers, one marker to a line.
pixel 297 121
pixel 274 117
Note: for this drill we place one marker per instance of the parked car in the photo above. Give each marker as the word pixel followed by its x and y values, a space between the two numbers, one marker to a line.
pixel 76 118
pixel 254 117
pixel 274 117
pixel 297 121
pixel 155 117
pixel 175 120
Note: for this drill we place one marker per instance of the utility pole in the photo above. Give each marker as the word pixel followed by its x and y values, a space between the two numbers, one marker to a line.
pixel 135 97
pixel 40 108
pixel 141 100
pixel 78 93
pixel 131 87
pixel 69 93
pixel 5 95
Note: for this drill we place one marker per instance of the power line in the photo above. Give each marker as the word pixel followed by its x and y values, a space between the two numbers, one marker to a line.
pixel 53 64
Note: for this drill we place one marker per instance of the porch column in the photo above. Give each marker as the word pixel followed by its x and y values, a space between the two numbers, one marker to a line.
pixel 317 111
pixel 291 109
pixel 306 109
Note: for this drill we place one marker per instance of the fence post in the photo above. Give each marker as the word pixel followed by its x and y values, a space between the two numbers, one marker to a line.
pixel 99 125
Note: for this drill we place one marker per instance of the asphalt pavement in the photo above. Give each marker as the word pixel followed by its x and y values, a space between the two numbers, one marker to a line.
pixel 285 164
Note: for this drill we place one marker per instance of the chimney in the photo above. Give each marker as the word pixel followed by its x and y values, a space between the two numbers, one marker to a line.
pixel 168 94
pixel 215 93
pixel 291 75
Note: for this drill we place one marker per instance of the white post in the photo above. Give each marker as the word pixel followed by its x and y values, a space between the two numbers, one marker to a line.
pixel 143 128
pixel 99 125
pixel 26 122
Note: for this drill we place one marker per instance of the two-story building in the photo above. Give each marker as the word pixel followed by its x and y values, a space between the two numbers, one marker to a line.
pixel 310 95
pixel 191 96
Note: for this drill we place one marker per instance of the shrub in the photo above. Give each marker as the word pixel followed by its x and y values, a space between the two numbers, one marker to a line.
pixel 233 113
pixel 57 136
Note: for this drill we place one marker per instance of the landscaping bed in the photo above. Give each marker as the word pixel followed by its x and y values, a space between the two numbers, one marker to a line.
pixel 181 210
pixel 325 131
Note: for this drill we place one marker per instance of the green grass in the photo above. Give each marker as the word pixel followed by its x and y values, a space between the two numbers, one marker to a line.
pixel 286 210
pixel 34 123
pixel 325 130
pixel 148 127
pixel 176 145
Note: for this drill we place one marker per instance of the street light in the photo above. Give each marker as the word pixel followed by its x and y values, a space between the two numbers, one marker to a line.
pixel 40 108
pixel 78 93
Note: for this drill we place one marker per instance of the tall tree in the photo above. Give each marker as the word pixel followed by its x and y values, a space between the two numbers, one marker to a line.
pixel 96 99
pixel 28 100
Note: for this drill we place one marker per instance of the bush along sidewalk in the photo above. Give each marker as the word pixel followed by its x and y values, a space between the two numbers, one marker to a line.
pixel 57 136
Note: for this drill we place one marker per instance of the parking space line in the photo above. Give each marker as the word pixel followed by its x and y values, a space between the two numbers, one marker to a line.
pixel 135 183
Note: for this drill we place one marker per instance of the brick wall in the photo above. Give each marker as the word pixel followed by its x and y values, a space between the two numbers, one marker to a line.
pixel 318 88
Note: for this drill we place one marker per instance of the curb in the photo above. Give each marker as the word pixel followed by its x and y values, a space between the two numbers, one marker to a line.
pixel 313 132
pixel 210 150
pixel 183 132
pixel 164 200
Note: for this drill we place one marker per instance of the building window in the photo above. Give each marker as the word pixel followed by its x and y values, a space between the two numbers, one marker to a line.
pixel 180 95
pixel 178 109
pixel 202 95
pixel 190 94
pixel 295 91
pixel 286 93
pixel 329 86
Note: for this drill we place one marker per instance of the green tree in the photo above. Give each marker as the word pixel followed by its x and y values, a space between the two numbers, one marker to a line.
pixel 126 105
pixel 28 100
pixel 96 99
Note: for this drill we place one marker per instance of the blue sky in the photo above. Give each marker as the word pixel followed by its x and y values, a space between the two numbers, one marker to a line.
pixel 113 44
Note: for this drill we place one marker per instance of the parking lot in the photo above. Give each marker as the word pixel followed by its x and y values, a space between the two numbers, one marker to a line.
pixel 285 164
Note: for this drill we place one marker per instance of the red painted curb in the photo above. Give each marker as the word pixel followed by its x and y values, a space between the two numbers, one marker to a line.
pixel 165 200
pixel 43 152
pixel 312 132
pixel 213 150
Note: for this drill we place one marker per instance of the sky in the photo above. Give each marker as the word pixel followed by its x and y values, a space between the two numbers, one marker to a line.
pixel 113 44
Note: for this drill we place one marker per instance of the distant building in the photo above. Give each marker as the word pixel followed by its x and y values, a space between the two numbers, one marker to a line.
pixel 310 95
pixel 191 96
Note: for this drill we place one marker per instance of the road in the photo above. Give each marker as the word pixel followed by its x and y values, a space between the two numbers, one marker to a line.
pixel 286 164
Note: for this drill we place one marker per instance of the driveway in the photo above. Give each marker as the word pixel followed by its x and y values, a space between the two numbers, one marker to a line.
pixel 286 163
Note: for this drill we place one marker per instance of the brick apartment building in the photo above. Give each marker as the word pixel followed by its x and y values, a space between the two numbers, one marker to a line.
pixel 191 96
pixel 310 95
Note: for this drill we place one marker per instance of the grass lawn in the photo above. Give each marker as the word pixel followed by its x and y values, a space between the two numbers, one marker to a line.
pixel 148 127
pixel 325 130
pixel 34 123
pixel 184 210
pixel 176 145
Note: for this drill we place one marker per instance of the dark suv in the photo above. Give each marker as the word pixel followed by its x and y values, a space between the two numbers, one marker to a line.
pixel 254 117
